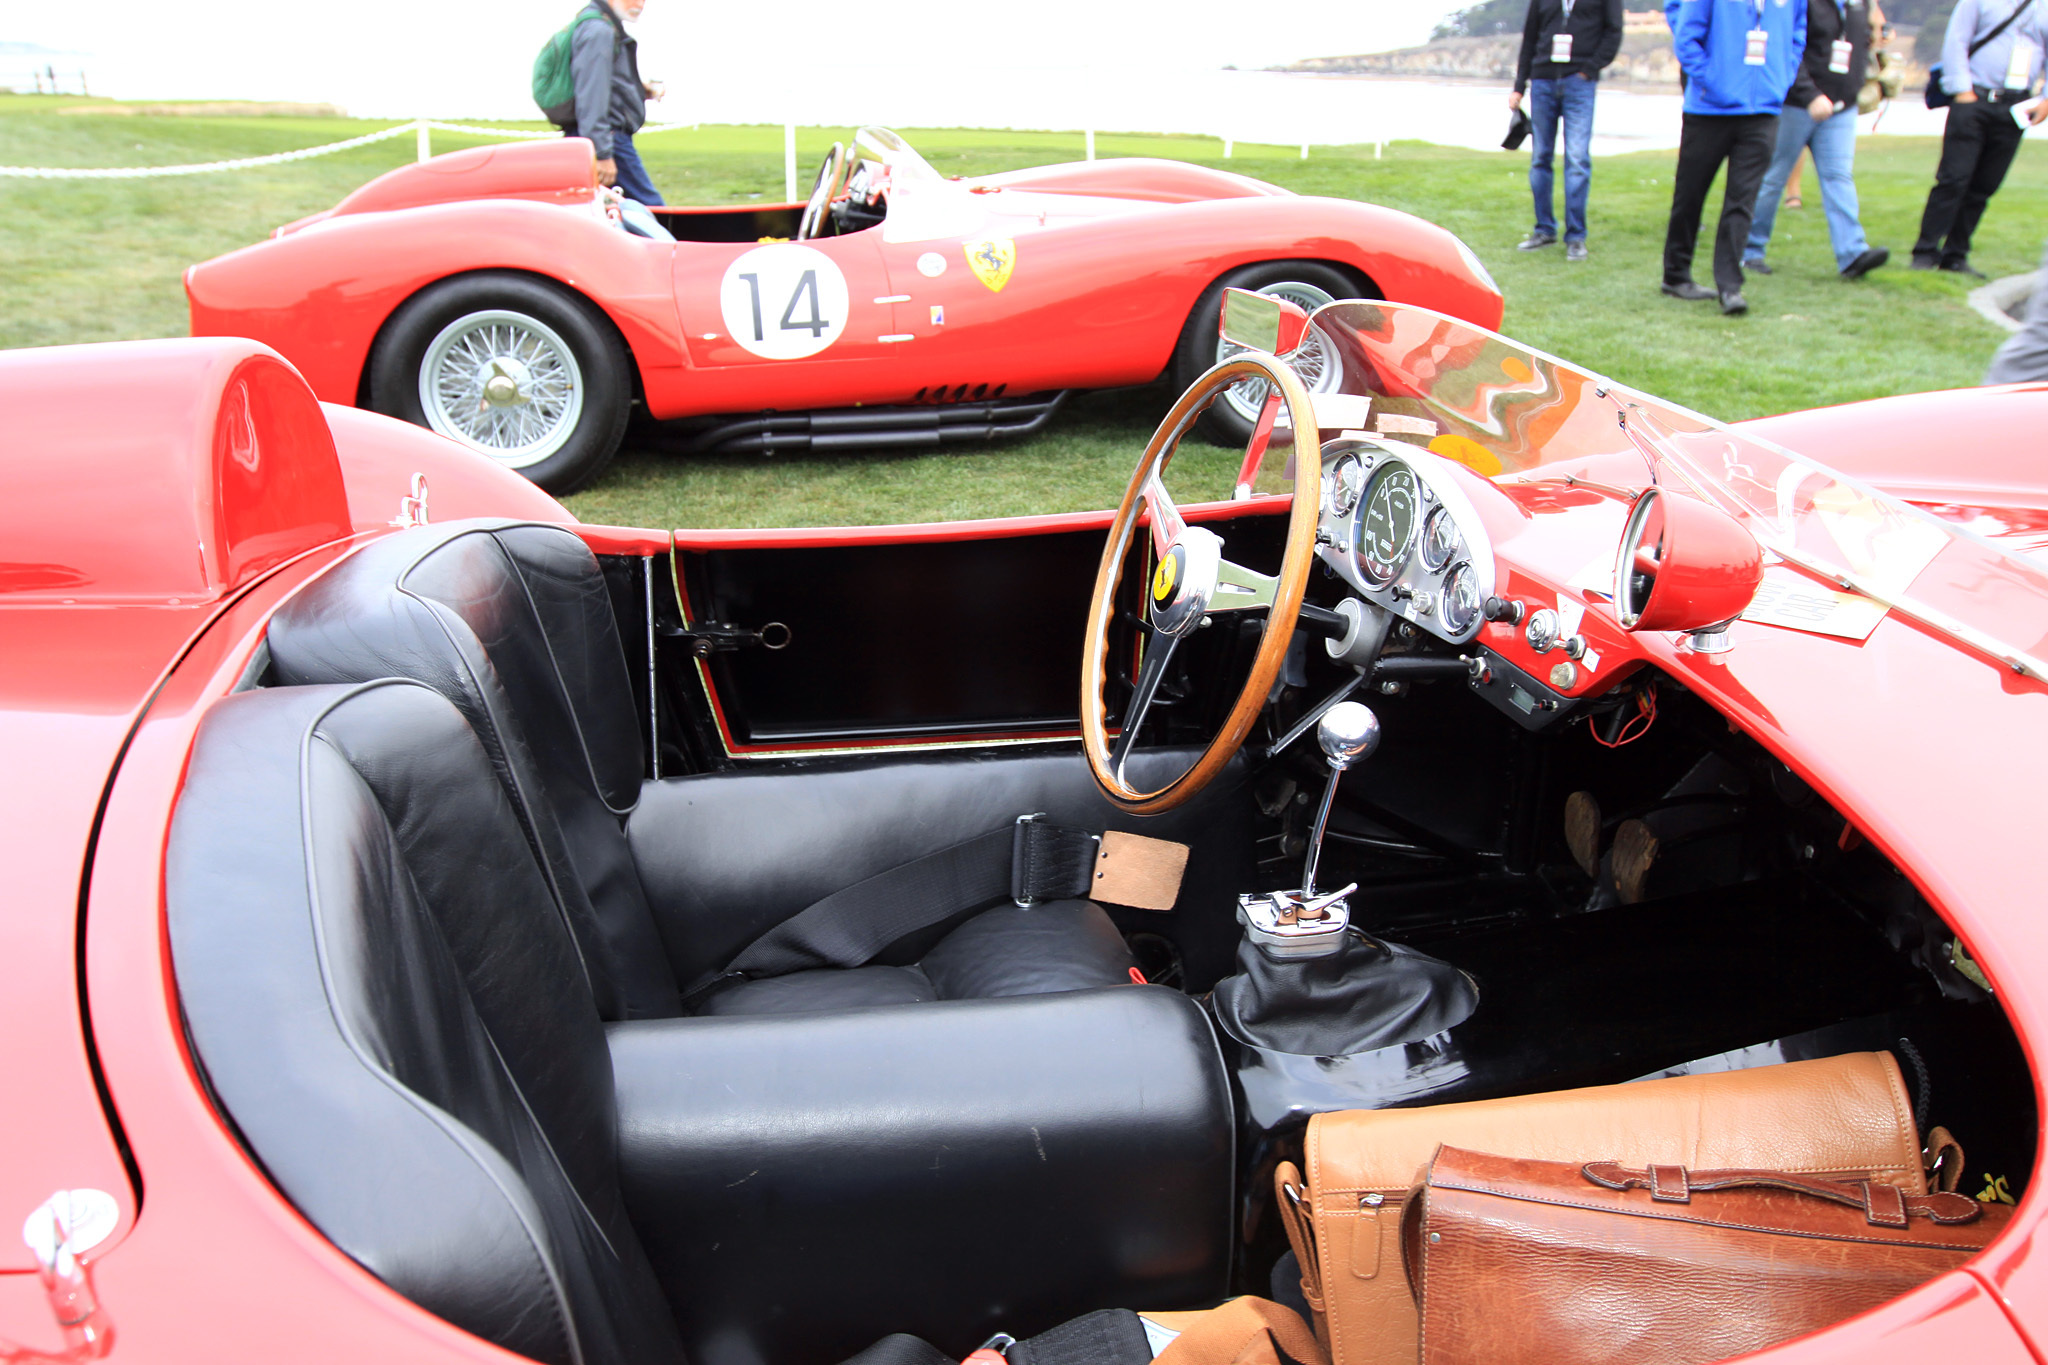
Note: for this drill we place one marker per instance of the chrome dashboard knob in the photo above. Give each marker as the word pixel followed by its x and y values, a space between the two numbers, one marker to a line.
pixel 1348 732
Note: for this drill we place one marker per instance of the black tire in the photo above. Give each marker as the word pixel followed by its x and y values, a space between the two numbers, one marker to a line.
pixel 1196 351
pixel 580 372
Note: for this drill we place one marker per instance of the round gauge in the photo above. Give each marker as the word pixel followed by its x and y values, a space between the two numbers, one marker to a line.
pixel 1439 539
pixel 1347 481
pixel 1462 600
pixel 1386 524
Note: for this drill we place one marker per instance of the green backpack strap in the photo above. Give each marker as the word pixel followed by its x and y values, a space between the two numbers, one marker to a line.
pixel 554 83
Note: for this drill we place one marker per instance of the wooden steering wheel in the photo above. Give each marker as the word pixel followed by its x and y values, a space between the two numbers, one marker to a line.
pixel 830 183
pixel 1193 581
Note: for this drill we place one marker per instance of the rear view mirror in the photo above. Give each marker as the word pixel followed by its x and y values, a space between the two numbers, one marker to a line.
pixel 1684 565
pixel 1262 321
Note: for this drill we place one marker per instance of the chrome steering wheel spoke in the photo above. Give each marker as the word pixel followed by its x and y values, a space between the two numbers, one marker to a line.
pixel 1240 589
pixel 1167 523
pixel 1159 648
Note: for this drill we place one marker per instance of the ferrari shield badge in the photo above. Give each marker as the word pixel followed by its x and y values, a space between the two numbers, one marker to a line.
pixel 992 260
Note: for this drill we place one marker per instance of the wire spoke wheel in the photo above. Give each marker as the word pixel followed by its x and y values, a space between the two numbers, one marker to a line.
pixel 502 383
pixel 1311 360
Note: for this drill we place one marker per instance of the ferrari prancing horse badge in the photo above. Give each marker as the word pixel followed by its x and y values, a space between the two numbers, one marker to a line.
pixel 992 261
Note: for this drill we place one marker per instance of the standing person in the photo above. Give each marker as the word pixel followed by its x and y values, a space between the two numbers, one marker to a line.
pixel 1820 112
pixel 1739 58
pixel 611 99
pixel 1990 61
pixel 1566 44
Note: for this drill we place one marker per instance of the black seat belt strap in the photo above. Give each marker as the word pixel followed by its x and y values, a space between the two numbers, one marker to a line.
pixel 1029 861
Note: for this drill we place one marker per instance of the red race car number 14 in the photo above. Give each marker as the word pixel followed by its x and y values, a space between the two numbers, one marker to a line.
pixel 783 301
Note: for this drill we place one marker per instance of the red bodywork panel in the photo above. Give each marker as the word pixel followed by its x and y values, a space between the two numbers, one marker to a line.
pixel 217 1265
pixel 1110 258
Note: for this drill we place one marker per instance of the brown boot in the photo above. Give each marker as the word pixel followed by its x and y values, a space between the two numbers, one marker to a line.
pixel 1635 848
pixel 1582 831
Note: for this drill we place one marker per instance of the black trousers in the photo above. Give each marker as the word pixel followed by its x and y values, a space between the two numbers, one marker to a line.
pixel 1977 149
pixel 1745 142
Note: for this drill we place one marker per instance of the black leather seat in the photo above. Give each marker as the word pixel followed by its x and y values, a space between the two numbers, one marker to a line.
pixel 512 623
pixel 385 995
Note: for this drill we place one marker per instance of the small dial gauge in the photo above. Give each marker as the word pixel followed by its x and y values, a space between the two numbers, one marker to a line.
pixel 1463 602
pixel 1347 481
pixel 1386 524
pixel 1439 540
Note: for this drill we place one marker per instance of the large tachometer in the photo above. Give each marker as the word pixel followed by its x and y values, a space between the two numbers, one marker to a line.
pixel 1386 525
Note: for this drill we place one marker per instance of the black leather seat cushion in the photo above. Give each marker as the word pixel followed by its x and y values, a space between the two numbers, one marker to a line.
pixel 950 1170
pixel 725 857
pixel 385 998
pixel 1058 946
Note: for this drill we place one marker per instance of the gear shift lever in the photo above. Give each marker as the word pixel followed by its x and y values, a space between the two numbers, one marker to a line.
pixel 1301 923
pixel 1348 732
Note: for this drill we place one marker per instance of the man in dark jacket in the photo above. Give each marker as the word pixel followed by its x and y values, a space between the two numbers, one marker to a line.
pixel 1739 58
pixel 611 99
pixel 1820 112
pixel 1566 44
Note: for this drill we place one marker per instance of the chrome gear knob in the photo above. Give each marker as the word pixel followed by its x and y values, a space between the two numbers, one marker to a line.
pixel 1348 732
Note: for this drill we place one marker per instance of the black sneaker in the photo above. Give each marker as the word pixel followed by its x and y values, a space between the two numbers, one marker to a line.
pixel 1864 264
pixel 1537 240
pixel 1732 302
pixel 1686 289
pixel 1759 266
pixel 1575 251
pixel 1963 268
pixel 1924 262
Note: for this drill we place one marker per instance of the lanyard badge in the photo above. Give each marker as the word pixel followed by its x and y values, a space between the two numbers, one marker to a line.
pixel 1560 48
pixel 1753 49
pixel 1838 56
pixel 2019 72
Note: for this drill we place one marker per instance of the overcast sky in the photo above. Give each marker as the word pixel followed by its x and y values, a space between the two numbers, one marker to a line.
pixel 400 57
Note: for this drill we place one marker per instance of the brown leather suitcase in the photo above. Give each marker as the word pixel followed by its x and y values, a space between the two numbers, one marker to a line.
pixel 1838 1116
pixel 1563 1263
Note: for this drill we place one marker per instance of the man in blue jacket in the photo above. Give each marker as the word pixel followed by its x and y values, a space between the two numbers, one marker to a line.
pixel 1739 58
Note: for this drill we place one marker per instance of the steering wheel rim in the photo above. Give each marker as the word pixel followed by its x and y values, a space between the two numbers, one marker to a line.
pixel 1190 590
pixel 830 173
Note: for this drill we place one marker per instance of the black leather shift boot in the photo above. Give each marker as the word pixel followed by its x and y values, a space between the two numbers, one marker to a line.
pixel 1368 994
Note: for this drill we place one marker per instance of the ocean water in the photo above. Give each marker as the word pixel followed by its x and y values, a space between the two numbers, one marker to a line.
pixel 1245 106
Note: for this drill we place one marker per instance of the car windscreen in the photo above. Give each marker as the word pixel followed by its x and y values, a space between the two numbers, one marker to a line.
pixel 1517 415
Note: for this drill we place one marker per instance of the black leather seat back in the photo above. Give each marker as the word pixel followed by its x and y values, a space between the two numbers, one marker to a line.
pixel 510 622
pixel 384 996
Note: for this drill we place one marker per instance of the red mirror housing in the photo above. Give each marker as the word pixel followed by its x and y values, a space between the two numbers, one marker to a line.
pixel 1683 565
pixel 1263 322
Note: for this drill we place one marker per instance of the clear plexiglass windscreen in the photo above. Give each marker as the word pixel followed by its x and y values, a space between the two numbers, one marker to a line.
pixel 888 148
pixel 1517 415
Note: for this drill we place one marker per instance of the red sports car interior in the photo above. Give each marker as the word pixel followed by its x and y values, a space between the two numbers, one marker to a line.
pixel 466 931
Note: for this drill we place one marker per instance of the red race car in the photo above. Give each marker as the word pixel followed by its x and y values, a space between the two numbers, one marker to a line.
pixel 441 931
pixel 499 297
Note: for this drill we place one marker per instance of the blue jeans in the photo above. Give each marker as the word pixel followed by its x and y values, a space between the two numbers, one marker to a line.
pixel 1834 155
pixel 633 181
pixel 1572 99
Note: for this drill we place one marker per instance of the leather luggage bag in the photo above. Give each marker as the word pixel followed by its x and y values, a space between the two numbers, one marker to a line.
pixel 1561 1263
pixel 1837 1116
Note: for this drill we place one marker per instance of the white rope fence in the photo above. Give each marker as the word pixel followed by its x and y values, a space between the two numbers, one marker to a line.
pixel 420 127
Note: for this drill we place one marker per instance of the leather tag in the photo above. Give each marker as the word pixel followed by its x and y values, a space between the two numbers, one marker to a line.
pixel 1136 871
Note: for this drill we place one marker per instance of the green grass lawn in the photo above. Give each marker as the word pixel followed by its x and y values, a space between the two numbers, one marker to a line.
pixel 101 260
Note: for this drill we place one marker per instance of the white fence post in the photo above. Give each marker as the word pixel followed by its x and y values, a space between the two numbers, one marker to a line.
pixel 1226 149
pixel 426 140
pixel 1091 144
pixel 789 163
pixel 1304 151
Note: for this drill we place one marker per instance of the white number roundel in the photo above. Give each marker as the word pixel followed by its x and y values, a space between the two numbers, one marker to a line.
pixel 783 302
